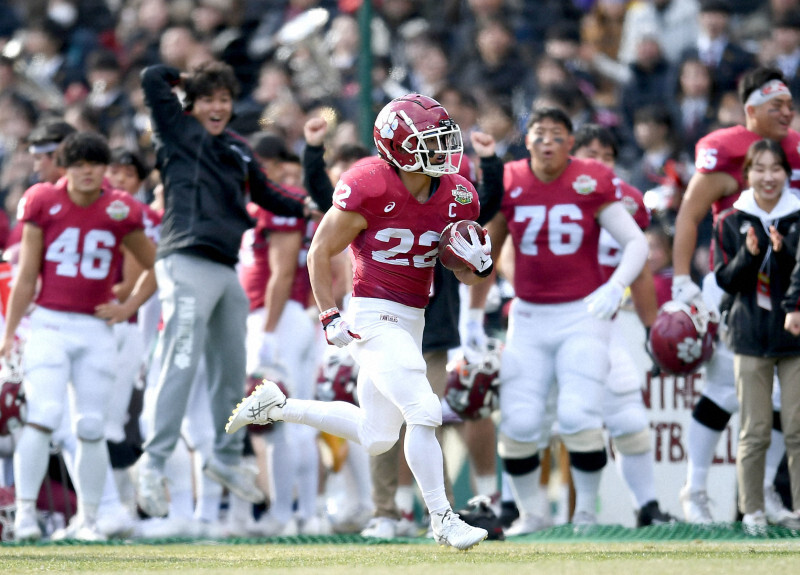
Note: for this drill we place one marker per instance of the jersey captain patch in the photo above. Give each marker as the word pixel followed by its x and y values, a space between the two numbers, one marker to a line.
pixel 462 195
pixel 118 210
pixel 584 184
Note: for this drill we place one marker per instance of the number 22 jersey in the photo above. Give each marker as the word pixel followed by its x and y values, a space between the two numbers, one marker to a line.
pixel 394 257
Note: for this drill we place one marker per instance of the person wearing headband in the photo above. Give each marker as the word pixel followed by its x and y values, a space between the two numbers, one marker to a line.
pixel 42 144
pixel 716 185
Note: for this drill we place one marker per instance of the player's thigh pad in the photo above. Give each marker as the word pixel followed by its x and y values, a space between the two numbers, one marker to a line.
pixel 582 366
pixel 624 413
pixel 379 428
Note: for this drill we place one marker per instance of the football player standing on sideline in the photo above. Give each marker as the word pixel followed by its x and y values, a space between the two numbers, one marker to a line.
pixel 554 208
pixel 207 171
pixel 716 185
pixel 391 211
pixel 72 236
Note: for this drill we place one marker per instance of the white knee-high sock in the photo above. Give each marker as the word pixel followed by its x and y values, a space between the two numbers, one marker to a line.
pixel 31 458
pixel 525 491
pixel 702 445
pixel 424 457
pixel 335 417
pixel 209 493
pixel 587 485
pixel 91 469
pixel 638 472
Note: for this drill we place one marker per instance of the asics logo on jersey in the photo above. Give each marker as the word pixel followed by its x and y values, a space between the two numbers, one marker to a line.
pixel 55 209
pixel 516 192
pixel 389 207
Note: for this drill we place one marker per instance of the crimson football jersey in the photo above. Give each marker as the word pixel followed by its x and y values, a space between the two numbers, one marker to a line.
pixel 555 229
pixel 394 257
pixel 254 271
pixel 610 252
pixel 724 151
pixel 81 243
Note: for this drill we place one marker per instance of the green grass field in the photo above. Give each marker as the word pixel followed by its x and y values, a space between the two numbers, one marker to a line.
pixel 491 557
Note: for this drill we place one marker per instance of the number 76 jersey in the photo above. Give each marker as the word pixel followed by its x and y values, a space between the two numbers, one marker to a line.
pixel 394 257
pixel 555 229
pixel 81 245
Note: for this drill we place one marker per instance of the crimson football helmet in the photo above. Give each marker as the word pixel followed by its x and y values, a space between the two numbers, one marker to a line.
pixel 682 337
pixel 338 376
pixel 473 389
pixel 416 134
pixel 275 374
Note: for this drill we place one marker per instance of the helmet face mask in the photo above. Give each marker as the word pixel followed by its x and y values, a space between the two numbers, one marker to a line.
pixel 473 389
pixel 415 134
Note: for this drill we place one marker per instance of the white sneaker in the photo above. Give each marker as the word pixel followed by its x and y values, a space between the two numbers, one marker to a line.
pixel 525 524
pixel 239 479
pixel 406 528
pixel 755 523
pixel 79 530
pixel 584 519
pixel 261 407
pixel 152 494
pixel 695 506
pixel 380 528
pixel 774 510
pixel 26 524
pixel 449 529
pixel 116 523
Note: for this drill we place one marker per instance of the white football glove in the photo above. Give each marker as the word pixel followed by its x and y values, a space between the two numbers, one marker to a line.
pixel 473 337
pixel 604 302
pixel 685 290
pixel 337 330
pixel 476 253
pixel 268 349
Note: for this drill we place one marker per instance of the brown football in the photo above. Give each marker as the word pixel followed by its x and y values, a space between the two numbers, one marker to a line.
pixel 447 257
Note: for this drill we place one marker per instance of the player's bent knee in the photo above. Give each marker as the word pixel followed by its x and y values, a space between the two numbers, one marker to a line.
pixel 45 415
pixel 508 448
pixel 588 461
pixel 89 428
pixel 584 441
pixel 634 443
pixel 710 414
pixel 426 411
pixel 379 446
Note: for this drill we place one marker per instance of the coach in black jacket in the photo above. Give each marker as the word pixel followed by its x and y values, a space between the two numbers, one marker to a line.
pixel 754 259
pixel 209 174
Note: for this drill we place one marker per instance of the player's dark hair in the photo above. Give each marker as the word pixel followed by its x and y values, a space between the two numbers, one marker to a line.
pixel 349 153
pixel 126 157
pixel 588 133
pixel 208 77
pixel 754 79
pixel 557 115
pixel 760 146
pixel 84 147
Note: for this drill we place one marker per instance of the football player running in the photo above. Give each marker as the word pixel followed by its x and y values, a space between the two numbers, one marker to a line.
pixel 391 211
pixel 554 207
pixel 73 233
pixel 715 186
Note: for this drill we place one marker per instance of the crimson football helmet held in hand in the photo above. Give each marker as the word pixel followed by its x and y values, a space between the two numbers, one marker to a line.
pixel 416 134
pixel 682 337
pixel 473 389
pixel 337 377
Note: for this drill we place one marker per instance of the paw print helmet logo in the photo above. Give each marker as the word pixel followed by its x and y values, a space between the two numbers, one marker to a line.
pixel 416 134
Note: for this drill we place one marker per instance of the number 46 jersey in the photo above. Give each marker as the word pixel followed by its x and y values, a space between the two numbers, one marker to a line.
pixel 555 229
pixel 81 244
pixel 395 255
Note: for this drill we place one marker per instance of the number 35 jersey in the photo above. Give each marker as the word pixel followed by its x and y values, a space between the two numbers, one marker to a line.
pixel 395 255
pixel 555 230
pixel 81 244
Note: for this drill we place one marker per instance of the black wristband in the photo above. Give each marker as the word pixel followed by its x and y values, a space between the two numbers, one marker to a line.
pixel 486 272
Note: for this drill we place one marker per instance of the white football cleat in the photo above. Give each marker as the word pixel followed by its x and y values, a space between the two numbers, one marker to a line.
pixel 152 493
pixel 525 524
pixel 449 529
pixel 239 479
pixel 79 529
pixel 695 506
pixel 261 407
pixel 26 524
